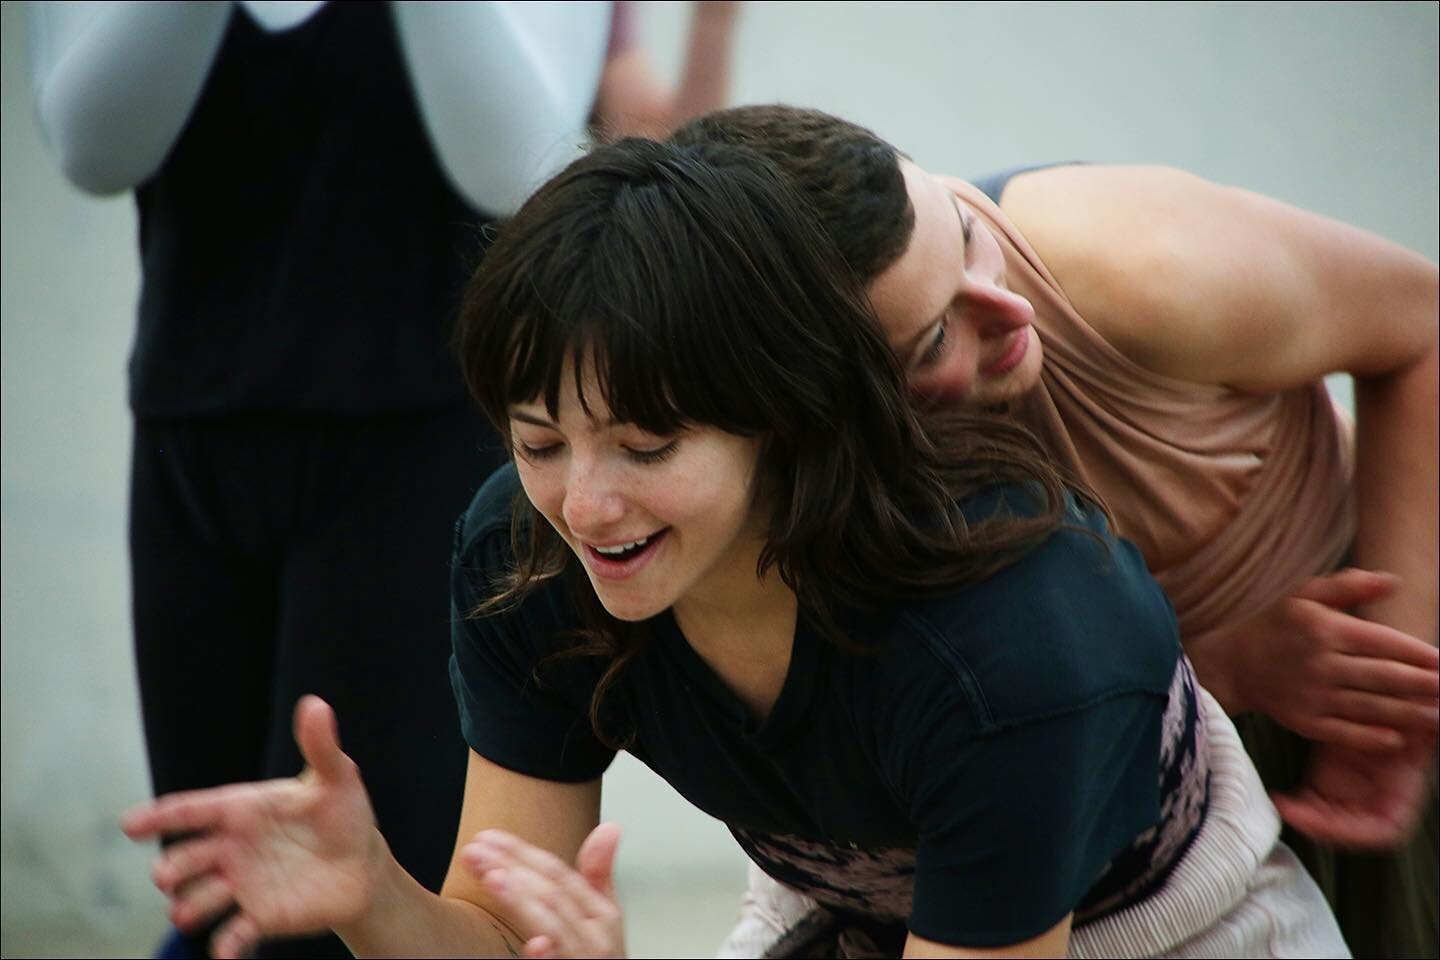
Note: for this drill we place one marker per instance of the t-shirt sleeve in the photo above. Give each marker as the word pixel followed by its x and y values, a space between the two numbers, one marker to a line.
pixel 1015 827
pixel 519 707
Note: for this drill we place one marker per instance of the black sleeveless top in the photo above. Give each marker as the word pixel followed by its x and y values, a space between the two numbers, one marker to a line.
pixel 301 247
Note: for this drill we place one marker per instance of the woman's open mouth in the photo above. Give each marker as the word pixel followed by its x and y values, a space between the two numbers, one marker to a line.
pixel 619 560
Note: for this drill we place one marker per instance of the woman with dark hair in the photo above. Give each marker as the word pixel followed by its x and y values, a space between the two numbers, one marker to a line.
pixel 904 660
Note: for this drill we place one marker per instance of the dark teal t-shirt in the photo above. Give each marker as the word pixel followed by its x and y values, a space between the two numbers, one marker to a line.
pixel 974 777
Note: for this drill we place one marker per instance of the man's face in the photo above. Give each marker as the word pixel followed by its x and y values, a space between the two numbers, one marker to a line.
pixel 961 336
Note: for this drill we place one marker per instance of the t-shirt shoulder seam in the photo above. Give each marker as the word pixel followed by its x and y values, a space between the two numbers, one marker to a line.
pixel 954 663
pixel 1104 696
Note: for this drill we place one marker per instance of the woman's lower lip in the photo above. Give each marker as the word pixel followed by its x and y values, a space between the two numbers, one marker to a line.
pixel 1012 357
pixel 612 568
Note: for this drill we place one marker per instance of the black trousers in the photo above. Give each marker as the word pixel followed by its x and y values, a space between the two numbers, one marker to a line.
pixel 276 555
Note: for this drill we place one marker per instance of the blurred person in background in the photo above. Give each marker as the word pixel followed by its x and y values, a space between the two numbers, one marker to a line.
pixel 312 180
pixel 898 655
pixel 1166 338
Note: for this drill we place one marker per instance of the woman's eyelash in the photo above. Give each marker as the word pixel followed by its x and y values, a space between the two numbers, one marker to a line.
pixel 932 352
pixel 656 455
pixel 537 453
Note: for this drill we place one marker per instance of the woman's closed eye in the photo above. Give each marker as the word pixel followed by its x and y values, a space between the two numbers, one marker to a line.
pixel 537 451
pixel 937 343
pixel 652 454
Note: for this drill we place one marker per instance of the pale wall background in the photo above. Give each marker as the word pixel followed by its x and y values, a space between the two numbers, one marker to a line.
pixel 1329 106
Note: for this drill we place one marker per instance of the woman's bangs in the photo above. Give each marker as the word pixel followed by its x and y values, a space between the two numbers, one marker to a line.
pixel 673 300
pixel 589 328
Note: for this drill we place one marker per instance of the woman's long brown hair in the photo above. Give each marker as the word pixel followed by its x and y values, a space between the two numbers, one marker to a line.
pixel 702 290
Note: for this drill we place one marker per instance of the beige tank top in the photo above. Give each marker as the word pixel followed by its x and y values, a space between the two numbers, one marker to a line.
pixel 1233 498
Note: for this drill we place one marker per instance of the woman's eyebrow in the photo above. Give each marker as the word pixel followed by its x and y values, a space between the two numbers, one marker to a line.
pixel 536 420
pixel 530 418
pixel 964 224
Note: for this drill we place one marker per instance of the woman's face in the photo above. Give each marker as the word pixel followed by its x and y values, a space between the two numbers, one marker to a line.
pixel 960 334
pixel 654 520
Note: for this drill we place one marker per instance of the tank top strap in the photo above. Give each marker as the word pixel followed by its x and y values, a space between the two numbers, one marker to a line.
pixel 993 184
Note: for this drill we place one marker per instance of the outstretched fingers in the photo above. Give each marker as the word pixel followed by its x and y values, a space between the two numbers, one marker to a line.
pixel 236 938
pixel 562 912
pixel 177 814
pixel 1367 638
pixel 182 862
pixel 1351 587
pixel 201 902
pixel 596 859
pixel 541 948
pixel 1342 732
pixel 1339 824
pixel 541 868
pixel 537 908
pixel 317 734
pixel 1389 678
pixel 1415 717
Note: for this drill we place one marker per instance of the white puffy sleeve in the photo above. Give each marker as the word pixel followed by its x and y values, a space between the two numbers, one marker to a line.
pixel 114 82
pixel 505 88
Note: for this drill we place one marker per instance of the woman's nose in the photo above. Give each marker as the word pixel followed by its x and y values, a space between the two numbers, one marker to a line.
pixel 593 500
pixel 998 311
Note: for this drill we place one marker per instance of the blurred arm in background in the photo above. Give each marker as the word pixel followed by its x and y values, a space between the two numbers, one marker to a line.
pixel 634 102
pixel 115 82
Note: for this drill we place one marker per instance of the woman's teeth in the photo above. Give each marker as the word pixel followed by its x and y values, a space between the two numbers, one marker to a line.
pixel 620 548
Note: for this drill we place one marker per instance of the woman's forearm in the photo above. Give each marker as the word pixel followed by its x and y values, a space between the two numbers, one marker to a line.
pixel 634 102
pixel 407 920
pixel 705 80
pixel 1395 490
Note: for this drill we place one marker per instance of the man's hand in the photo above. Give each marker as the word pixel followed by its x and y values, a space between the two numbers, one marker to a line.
pixel 1324 673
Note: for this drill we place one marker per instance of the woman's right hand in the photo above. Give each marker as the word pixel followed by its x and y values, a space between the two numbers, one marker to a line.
pixel 281 857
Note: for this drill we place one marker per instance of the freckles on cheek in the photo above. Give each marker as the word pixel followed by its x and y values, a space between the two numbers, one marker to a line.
pixel 548 502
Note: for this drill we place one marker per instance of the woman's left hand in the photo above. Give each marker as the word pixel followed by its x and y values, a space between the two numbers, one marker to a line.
pixel 1323 672
pixel 564 911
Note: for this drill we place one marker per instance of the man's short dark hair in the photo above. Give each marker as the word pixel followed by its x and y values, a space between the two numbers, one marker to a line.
pixel 850 176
